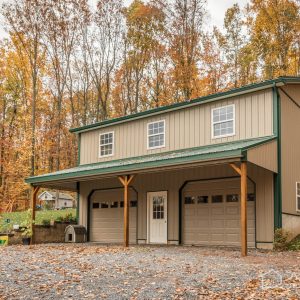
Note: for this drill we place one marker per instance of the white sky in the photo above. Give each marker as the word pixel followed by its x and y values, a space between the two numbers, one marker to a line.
pixel 216 10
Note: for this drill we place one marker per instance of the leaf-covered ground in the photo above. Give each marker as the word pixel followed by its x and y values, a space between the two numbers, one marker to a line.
pixel 66 271
pixel 18 217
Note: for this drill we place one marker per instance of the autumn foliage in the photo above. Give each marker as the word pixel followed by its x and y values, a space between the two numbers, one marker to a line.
pixel 65 64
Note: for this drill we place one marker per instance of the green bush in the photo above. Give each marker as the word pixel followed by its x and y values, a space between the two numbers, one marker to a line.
pixel 294 244
pixel 46 222
pixel 281 240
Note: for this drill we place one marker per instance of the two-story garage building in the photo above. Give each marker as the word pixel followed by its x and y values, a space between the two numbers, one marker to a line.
pixel 192 170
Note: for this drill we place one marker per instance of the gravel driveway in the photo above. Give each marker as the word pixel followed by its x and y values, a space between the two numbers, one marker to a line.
pixel 90 271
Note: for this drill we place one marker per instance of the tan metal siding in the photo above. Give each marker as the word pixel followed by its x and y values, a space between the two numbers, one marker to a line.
pixel 264 156
pixel 173 180
pixel 264 203
pixel 185 128
pixel 290 147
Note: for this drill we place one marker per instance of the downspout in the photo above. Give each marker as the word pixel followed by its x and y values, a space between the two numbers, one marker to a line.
pixel 277 177
pixel 78 183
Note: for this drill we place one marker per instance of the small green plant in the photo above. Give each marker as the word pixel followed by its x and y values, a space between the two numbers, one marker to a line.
pixel 281 240
pixel 59 219
pixel 46 222
pixel 26 225
pixel 67 218
pixel 294 244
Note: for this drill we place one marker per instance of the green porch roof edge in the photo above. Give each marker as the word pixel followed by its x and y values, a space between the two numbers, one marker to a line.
pixel 212 97
pixel 210 152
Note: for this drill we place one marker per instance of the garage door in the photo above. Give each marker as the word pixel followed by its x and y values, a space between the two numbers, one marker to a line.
pixel 211 213
pixel 107 215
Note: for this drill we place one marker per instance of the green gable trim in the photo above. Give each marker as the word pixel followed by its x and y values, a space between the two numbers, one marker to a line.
pixel 213 97
pixel 186 156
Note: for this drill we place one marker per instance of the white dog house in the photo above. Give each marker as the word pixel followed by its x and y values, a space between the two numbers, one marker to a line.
pixel 75 234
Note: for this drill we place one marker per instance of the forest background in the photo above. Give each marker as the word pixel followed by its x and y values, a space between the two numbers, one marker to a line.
pixel 64 65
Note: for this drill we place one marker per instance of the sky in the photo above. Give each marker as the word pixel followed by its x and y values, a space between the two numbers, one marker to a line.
pixel 216 10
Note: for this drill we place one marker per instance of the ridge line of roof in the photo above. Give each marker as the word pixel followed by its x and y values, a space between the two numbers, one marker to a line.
pixel 187 103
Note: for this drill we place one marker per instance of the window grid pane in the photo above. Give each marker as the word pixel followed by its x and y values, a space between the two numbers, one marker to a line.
pixel 106 144
pixel 156 134
pixel 158 208
pixel 223 119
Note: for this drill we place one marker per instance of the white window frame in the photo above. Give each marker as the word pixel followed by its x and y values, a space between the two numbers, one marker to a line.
pixel 297 196
pixel 213 123
pixel 164 133
pixel 113 144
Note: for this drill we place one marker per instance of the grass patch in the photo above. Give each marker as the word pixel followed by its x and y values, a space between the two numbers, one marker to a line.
pixel 19 217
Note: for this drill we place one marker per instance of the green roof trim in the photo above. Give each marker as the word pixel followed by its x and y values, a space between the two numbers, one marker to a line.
pixel 212 97
pixel 171 158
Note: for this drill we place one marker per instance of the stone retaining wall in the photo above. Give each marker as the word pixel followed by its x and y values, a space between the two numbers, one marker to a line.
pixel 43 234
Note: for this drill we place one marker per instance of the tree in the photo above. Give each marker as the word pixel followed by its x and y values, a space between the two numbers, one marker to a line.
pixel 232 41
pixel 274 27
pixel 103 43
pixel 61 23
pixel 184 31
pixel 24 19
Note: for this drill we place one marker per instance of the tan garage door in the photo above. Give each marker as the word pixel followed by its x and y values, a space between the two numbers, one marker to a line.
pixel 107 215
pixel 211 213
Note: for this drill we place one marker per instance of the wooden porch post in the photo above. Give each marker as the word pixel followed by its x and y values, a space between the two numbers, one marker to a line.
pixel 125 180
pixel 35 190
pixel 242 171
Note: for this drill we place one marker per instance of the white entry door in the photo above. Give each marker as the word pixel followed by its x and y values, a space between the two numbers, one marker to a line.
pixel 157 217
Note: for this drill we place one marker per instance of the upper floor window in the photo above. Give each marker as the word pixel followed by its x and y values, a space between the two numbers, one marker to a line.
pixel 298 196
pixel 223 121
pixel 106 144
pixel 156 134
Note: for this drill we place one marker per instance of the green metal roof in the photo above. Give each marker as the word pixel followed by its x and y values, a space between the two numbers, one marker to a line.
pixel 171 158
pixel 212 97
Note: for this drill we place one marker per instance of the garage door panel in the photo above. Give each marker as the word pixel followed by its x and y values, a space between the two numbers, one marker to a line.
pixel 232 223
pixel 232 210
pixel 216 223
pixel 203 212
pixel 232 237
pixel 217 210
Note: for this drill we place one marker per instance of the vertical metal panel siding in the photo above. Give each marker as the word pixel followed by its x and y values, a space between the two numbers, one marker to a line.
pixel 290 147
pixel 173 180
pixel 264 155
pixel 185 128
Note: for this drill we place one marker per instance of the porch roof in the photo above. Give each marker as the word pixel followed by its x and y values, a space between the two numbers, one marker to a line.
pixel 215 152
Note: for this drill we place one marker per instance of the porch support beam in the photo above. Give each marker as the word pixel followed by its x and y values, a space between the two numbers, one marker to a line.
pixel 126 180
pixel 242 171
pixel 34 192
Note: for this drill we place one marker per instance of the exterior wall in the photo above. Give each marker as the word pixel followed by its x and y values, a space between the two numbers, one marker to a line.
pixel 290 155
pixel 172 181
pixel 291 224
pixel 185 128
pixel 264 156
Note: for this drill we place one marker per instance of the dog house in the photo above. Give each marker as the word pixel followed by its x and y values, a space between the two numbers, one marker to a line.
pixel 75 234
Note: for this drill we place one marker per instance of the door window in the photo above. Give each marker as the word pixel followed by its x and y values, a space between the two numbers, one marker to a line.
pixel 158 207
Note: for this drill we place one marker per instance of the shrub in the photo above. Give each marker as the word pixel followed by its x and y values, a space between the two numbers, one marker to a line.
pixel 281 240
pixel 294 244
pixel 46 222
